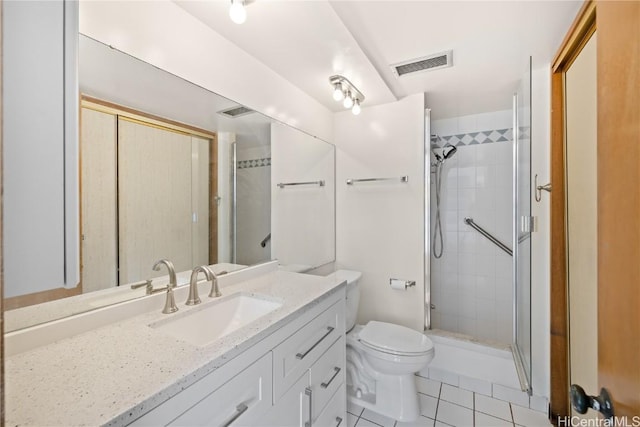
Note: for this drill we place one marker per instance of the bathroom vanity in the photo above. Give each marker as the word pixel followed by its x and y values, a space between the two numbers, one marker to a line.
pixel 285 367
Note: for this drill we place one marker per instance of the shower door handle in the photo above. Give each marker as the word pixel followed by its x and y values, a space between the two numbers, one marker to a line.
pixel 581 402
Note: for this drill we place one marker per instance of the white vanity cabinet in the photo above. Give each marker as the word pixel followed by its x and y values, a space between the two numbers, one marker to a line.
pixel 295 374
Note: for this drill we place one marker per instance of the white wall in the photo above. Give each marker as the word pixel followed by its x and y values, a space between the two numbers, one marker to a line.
pixel 380 225
pixel 541 238
pixel 471 284
pixel 165 35
pixel 303 217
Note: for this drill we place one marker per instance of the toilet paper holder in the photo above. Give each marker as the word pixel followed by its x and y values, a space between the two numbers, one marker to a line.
pixel 401 284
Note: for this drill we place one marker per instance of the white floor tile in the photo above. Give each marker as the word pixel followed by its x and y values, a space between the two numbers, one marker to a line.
pixel 441 424
pixel 454 415
pixel 354 409
pixel 377 418
pixel 457 395
pixel 493 407
pixel 511 395
pixel 483 420
pixel 528 417
pixel 420 422
pixel 424 373
pixel 539 403
pixel 428 406
pixel 427 386
pixel 365 423
pixel 351 420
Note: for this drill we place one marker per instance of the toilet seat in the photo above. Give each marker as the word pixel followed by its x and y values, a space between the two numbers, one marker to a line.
pixel 394 339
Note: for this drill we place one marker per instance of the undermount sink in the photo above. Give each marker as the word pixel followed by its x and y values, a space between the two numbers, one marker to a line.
pixel 211 321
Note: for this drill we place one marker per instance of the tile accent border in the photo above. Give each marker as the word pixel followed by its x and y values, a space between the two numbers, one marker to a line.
pixel 254 163
pixel 481 137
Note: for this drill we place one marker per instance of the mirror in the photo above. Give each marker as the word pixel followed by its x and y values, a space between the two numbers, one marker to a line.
pixel 171 170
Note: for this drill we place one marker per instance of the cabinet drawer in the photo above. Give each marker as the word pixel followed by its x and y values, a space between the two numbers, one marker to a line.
pixel 335 414
pixel 239 402
pixel 327 375
pixel 298 352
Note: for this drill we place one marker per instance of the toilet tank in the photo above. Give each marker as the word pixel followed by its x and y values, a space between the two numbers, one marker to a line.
pixel 353 294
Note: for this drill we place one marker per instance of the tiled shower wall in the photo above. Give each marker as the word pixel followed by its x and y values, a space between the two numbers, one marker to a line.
pixel 253 203
pixel 471 284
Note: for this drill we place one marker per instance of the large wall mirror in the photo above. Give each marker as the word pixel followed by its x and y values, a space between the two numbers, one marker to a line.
pixel 171 170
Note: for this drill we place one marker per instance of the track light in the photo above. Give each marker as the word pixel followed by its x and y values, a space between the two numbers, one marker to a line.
pixel 338 94
pixel 345 91
pixel 237 11
pixel 356 107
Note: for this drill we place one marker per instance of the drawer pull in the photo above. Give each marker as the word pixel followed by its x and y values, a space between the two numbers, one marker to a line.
pixel 309 393
pixel 240 409
pixel 303 355
pixel 335 374
pixel 339 420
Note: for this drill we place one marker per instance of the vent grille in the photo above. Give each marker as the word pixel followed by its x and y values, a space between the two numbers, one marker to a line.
pixel 427 63
pixel 236 111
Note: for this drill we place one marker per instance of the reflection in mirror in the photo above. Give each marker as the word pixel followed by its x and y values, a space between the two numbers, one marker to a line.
pixel 171 170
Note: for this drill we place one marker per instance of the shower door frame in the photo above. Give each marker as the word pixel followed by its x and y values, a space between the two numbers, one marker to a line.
pixel 427 219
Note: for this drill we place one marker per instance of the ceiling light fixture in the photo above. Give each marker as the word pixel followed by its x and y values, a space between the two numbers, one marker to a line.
pixel 338 93
pixel 356 107
pixel 237 11
pixel 344 90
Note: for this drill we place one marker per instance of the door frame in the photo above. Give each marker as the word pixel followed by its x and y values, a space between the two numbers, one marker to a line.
pixel 583 27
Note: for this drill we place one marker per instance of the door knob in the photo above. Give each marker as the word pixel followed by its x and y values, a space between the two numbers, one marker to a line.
pixel 581 402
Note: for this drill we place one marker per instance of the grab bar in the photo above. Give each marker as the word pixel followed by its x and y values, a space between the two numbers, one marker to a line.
pixel 353 181
pixel 289 184
pixel 498 243
pixel 265 240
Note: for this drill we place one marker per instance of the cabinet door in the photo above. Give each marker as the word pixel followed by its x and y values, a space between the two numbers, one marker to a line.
pixel 40 146
pixel 293 408
pixel 327 375
pixel 335 414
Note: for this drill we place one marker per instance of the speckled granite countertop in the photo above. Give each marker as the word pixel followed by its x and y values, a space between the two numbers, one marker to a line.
pixel 113 374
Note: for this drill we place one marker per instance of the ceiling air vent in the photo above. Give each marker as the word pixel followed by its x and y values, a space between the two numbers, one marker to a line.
pixel 427 63
pixel 234 112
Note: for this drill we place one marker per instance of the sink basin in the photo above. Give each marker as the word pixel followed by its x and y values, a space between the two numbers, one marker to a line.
pixel 211 321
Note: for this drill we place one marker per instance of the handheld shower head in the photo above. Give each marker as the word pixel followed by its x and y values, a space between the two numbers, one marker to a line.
pixel 448 151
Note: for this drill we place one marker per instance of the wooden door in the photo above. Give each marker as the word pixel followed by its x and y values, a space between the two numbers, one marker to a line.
pixel 617 242
pixel 618 53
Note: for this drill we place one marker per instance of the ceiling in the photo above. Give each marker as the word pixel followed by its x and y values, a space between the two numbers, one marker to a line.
pixel 308 41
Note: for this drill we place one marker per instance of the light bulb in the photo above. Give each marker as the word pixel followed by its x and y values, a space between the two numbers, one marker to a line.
pixel 237 12
pixel 356 107
pixel 348 101
pixel 338 94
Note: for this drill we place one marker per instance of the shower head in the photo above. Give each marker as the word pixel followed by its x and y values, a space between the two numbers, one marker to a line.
pixel 448 151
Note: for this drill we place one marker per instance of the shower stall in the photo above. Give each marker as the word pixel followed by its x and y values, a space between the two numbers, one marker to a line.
pixel 478 251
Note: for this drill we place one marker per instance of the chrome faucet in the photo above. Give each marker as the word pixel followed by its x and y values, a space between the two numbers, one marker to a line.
pixel 215 291
pixel 170 304
pixel 172 271
pixel 193 283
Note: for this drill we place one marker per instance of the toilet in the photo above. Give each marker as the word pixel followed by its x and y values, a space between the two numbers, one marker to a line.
pixel 382 359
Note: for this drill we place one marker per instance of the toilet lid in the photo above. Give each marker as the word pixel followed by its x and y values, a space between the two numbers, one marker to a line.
pixel 394 338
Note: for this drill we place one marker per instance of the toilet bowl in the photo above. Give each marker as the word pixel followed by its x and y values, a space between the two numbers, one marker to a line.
pixel 382 359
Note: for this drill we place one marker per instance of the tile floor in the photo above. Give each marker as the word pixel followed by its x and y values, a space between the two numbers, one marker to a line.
pixel 443 405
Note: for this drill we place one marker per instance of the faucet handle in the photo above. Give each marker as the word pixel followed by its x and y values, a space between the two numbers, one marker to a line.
pixel 170 304
pixel 140 284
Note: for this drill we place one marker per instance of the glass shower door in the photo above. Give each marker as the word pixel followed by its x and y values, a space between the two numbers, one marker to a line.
pixel 522 229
